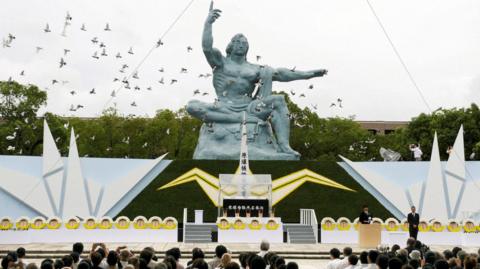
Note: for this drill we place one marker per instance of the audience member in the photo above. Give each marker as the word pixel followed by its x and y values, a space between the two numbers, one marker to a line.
pixel 264 247
pixel 197 253
pixel 352 262
pixel 226 259
pixel 292 265
pixel 257 262
pixel 219 251
pixel 382 261
pixel 176 254
pixel 334 259
pixel 232 265
pixel 21 252
pixel 199 264
pixel 363 260
pixel 78 248
pixel 347 251
pixel 395 263
pixel 67 261
pixel 372 259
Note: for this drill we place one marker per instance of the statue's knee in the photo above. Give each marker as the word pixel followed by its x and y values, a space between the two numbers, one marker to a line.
pixel 195 108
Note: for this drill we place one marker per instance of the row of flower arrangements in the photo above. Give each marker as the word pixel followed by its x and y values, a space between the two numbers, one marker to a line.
pixel 392 224
pixel 240 224
pixel 89 223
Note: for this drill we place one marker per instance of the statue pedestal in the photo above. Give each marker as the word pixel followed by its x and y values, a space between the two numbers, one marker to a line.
pixel 221 141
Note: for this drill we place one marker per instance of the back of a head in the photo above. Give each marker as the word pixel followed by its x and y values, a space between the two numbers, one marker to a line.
pixel 447 254
pixel 430 257
pixel 347 251
pixel 257 262
pixel 133 261
pixel 408 266
pixel 364 257
pixel 470 262
pixel 124 255
pixel 58 264
pixel 197 253
pixel 395 248
pixel 353 259
pixel 75 256
pixel 279 262
pixel 411 242
pixel 31 265
pixel 462 254
pixel 112 258
pixel 441 264
pixel 96 258
pixel 372 256
pixel 272 258
pixel 220 250
pixel 455 250
pixel 414 263
pixel 382 261
pixel 11 257
pixel 264 245
pixel 242 258
pixel 77 247
pixel 67 261
pixel 292 265
pixel 200 264
pixel 84 265
pixel 174 252
pixel 46 264
pixel 395 263
pixel 232 265
pixel 226 258
pixel 170 262
pixel 335 253
pixel 21 252
pixel 147 255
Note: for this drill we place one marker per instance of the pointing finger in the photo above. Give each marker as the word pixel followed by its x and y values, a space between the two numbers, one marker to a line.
pixel 211 5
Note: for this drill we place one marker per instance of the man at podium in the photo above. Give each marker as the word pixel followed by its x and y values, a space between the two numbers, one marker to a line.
pixel 365 216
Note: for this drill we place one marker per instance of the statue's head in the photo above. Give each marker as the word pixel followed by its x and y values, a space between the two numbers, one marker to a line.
pixel 238 46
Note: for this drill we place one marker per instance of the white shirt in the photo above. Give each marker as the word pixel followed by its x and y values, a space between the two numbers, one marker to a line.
pixel 343 264
pixel 417 152
pixel 353 266
pixel 333 264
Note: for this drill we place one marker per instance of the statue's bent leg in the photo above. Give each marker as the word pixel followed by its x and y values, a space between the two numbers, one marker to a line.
pixel 212 112
pixel 281 122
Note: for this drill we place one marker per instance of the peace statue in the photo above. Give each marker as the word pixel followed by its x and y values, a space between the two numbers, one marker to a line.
pixel 241 87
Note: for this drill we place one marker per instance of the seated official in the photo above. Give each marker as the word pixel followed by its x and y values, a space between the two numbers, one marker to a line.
pixel 365 217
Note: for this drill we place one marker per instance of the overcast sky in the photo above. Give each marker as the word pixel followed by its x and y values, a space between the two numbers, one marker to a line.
pixel 439 41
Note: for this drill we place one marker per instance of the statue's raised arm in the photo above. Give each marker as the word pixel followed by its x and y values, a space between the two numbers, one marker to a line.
pixel 284 74
pixel 213 55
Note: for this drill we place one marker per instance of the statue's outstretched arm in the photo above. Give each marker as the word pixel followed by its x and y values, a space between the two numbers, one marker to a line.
pixel 213 55
pixel 284 74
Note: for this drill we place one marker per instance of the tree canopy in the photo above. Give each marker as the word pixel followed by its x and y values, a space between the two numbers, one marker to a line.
pixel 175 132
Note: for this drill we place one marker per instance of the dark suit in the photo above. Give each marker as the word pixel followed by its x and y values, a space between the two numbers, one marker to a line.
pixel 365 218
pixel 413 219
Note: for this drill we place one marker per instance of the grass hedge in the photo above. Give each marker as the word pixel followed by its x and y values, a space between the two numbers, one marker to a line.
pixel 326 201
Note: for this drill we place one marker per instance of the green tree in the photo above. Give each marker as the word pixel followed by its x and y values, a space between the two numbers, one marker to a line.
pixel 20 130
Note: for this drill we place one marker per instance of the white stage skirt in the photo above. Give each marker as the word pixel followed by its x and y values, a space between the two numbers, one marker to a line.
pixel 63 235
pixel 248 235
pixel 400 238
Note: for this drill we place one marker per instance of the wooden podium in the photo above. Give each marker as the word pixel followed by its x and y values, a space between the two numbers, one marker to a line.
pixel 369 235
